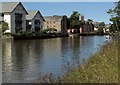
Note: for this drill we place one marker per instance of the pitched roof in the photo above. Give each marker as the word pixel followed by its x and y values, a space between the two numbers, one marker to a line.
pixel 32 13
pixel 8 7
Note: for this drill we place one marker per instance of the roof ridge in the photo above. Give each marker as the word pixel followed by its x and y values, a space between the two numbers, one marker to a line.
pixel 9 6
pixel 31 14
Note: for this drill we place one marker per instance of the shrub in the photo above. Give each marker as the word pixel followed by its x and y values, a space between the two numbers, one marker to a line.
pixel 100 30
pixel 4 26
pixel 50 30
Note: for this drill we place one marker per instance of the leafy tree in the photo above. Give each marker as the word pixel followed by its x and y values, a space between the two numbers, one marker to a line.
pixel 102 24
pixel 100 29
pixel 4 26
pixel 115 16
pixel 90 20
pixel 112 28
pixel 74 20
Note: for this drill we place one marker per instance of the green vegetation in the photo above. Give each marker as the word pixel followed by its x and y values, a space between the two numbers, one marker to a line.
pixel 115 17
pixel 50 30
pixel 43 34
pixel 4 26
pixel 100 29
pixel 102 24
pixel 100 68
pixel 74 21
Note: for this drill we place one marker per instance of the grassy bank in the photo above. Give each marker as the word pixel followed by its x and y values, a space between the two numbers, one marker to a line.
pixel 100 68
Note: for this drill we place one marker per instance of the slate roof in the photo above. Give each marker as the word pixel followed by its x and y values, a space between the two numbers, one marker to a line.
pixel 8 7
pixel 32 13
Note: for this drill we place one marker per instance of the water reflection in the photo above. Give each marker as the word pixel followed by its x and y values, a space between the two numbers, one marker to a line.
pixel 26 60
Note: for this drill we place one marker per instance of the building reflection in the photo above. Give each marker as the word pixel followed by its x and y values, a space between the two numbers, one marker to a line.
pixel 26 60
pixel 52 53
pixel 71 52
pixel 7 64
pixel 19 59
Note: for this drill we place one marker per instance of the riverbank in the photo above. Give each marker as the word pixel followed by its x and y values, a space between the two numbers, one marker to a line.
pixel 38 36
pixel 100 68
pixel 49 35
pixel 86 34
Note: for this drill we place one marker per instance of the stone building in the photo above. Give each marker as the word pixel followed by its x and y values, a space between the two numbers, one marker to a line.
pixel 57 22
pixel 14 14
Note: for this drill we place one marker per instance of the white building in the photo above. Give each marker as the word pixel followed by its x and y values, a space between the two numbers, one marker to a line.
pixel 35 21
pixel 15 15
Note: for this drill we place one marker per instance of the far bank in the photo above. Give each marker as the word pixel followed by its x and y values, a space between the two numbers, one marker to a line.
pixel 43 35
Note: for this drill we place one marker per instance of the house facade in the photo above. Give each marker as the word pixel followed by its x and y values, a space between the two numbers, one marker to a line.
pixel 34 21
pixel 88 27
pixel 15 15
pixel 56 22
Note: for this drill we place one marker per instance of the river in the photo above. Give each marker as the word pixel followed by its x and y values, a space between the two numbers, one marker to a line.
pixel 24 61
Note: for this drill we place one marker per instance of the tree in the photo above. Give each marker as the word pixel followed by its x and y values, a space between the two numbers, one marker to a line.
pixel 100 29
pixel 115 15
pixel 4 26
pixel 116 10
pixel 102 24
pixel 90 20
pixel 74 20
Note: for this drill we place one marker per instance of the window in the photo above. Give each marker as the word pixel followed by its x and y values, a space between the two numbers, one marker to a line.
pixel 18 15
pixel 37 22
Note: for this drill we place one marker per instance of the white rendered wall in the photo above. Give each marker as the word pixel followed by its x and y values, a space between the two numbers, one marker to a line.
pixel 7 18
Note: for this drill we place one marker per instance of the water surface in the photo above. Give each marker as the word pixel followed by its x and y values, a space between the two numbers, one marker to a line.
pixel 25 60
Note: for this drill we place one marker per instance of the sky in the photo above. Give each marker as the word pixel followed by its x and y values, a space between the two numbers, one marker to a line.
pixel 91 10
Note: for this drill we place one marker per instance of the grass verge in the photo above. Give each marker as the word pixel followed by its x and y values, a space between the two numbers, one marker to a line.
pixel 100 68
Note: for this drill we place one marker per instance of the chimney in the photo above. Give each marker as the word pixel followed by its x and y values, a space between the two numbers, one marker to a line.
pixel 82 18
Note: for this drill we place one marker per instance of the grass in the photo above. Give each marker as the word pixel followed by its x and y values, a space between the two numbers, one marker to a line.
pixel 100 68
